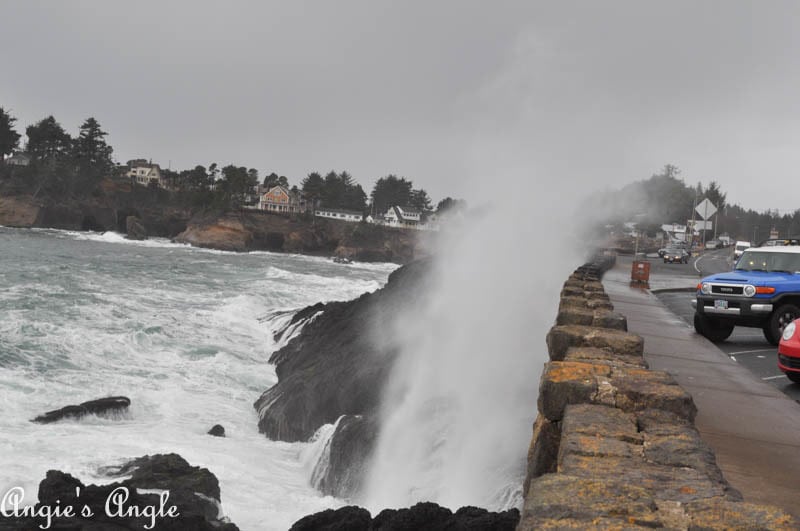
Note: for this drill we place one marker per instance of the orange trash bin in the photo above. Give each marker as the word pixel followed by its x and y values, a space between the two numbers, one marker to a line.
pixel 640 271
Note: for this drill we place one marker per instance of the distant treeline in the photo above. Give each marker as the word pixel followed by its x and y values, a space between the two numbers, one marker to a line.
pixel 666 198
pixel 64 166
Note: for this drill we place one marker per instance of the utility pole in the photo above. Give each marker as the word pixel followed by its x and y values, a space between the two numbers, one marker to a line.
pixel 694 206
pixel 716 220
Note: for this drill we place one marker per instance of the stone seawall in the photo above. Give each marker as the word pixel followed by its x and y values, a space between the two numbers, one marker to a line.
pixel 614 444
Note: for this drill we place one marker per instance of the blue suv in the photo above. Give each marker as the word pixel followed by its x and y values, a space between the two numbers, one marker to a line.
pixel 762 292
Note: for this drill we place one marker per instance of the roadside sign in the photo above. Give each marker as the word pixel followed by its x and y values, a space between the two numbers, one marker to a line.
pixel 705 208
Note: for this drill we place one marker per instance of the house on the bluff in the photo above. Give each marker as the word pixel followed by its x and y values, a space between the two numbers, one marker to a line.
pixel 406 217
pixel 340 214
pixel 144 172
pixel 282 200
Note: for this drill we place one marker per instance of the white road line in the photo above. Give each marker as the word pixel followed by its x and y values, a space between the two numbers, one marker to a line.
pixel 696 262
pixel 774 377
pixel 750 351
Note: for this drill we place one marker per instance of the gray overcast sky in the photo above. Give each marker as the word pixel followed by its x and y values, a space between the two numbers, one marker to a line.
pixel 445 93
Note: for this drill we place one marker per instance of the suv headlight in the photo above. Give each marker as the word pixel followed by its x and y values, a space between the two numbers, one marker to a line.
pixel 705 288
pixel 788 332
pixel 749 291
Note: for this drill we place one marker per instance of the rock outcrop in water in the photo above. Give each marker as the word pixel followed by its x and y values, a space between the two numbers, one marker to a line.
pixel 340 361
pixel 111 405
pixel 342 468
pixel 428 516
pixel 135 229
pixel 194 492
pixel 217 430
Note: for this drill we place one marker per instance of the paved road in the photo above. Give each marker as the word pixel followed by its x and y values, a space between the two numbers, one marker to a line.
pixel 746 346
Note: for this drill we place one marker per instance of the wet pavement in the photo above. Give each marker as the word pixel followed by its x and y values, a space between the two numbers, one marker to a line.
pixel 752 426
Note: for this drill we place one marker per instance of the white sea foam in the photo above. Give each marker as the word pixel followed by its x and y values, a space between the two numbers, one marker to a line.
pixel 175 329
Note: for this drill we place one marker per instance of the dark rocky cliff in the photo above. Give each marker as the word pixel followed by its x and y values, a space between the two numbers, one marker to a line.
pixel 339 363
pixel 104 213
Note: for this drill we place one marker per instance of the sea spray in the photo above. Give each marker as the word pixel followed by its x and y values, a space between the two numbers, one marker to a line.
pixel 457 415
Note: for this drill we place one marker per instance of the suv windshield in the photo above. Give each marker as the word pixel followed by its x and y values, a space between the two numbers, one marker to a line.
pixel 773 262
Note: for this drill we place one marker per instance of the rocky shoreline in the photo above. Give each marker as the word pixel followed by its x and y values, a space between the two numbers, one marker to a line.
pixel 338 363
pixel 240 231
pixel 333 372
pixel 254 230
pixel 161 492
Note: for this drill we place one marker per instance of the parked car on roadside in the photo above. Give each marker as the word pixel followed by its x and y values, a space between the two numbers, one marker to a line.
pixel 762 292
pixel 789 352
pixel 713 244
pixel 739 248
pixel 676 256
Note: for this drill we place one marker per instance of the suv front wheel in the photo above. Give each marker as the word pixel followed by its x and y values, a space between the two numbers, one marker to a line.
pixel 711 329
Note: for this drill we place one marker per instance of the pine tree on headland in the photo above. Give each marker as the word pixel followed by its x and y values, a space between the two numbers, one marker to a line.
pixel 391 191
pixel 91 151
pixel 49 147
pixel 47 141
pixel 9 138
pixel 274 180
pixel 448 203
pixel 420 200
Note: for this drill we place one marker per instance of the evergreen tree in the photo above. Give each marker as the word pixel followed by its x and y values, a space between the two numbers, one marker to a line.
pixel 312 187
pixel 49 146
pixel 333 191
pixel 235 184
pixel 9 138
pixel 274 180
pixel 448 203
pixel 194 179
pixel 47 141
pixel 420 200
pixel 391 191
pixel 252 174
pixel 355 198
pixel 91 152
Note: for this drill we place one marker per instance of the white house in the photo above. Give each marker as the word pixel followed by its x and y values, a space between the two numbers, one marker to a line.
pixel 144 172
pixel 341 215
pixel 398 216
pixel 406 218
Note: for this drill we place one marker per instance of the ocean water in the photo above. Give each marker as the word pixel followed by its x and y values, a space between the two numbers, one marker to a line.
pixel 181 332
